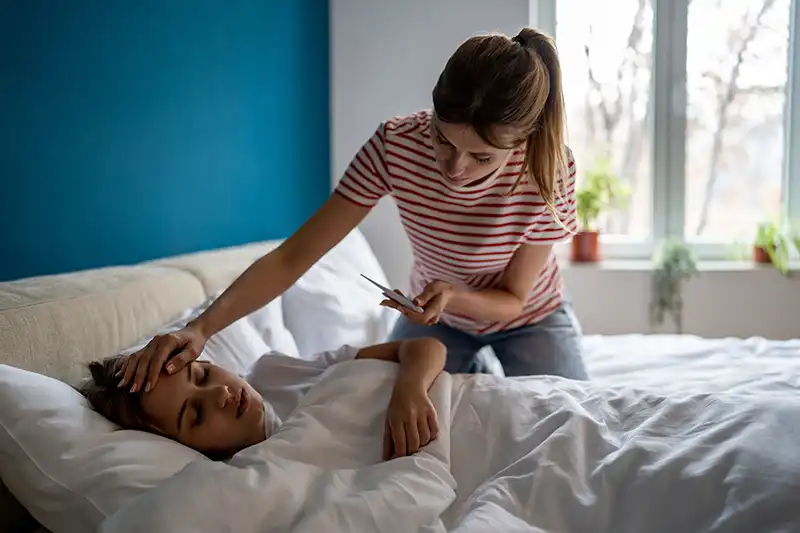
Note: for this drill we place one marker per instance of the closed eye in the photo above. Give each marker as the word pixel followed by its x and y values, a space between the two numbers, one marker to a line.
pixel 198 406
pixel 198 417
pixel 483 159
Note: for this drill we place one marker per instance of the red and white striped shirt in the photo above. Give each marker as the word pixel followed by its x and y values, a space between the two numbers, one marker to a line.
pixel 464 236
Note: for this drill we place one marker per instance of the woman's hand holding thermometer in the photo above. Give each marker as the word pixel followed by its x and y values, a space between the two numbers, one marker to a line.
pixel 426 308
pixel 396 296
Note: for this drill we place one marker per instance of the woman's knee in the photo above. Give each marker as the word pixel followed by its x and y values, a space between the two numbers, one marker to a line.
pixel 553 347
pixel 462 349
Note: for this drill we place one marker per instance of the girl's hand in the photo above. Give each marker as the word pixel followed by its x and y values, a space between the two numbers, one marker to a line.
pixel 433 299
pixel 411 421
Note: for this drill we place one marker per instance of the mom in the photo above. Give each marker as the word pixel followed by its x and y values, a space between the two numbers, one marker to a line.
pixel 484 184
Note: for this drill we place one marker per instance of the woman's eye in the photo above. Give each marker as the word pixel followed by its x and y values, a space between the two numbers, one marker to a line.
pixel 198 419
pixel 206 372
pixel 483 160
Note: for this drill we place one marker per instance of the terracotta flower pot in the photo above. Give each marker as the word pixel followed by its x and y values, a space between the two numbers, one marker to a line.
pixel 585 247
pixel 761 256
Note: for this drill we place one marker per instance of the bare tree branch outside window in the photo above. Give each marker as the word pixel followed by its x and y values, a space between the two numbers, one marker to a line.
pixel 736 83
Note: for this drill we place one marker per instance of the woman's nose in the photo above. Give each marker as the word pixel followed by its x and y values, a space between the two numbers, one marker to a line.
pixel 454 166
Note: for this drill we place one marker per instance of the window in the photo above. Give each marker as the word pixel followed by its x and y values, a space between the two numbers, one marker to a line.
pixel 691 104
pixel 606 65
pixel 736 72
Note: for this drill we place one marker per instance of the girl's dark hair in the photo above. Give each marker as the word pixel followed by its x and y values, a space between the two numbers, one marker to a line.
pixel 118 404
pixel 115 403
pixel 493 80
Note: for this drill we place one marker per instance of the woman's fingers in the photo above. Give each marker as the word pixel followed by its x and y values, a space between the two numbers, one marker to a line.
pixel 156 365
pixel 433 424
pixel 130 368
pixel 398 438
pixel 424 431
pixel 122 366
pixel 388 442
pixel 188 354
pixel 391 304
pixel 430 315
pixel 412 437
pixel 151 354
pixel 425 296
pixel 141 373
pixel 139 363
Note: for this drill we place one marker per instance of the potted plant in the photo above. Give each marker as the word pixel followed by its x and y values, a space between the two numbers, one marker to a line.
pixel 675 263
pixel 774 244
pixel 601 190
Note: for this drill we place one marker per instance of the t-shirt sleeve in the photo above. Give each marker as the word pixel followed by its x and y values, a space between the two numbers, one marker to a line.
pixel 550 229
pixel 332 357
pixel 366 180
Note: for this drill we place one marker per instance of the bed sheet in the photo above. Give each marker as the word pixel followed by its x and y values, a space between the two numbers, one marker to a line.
pixel 691 364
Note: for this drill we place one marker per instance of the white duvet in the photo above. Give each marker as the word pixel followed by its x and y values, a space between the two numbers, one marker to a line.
pixel 533 455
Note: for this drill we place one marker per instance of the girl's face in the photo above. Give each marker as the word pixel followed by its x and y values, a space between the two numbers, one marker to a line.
pixel 207 408
pixel 462 156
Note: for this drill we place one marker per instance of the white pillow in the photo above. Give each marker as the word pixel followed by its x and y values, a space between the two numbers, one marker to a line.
pixel 67 464
pixel 268 323
pixel 332 305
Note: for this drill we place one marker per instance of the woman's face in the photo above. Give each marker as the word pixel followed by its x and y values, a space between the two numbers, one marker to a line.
pixel 462 156
pixel 206 408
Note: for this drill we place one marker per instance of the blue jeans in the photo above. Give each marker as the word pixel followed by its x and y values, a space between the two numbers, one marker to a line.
pixel 551 346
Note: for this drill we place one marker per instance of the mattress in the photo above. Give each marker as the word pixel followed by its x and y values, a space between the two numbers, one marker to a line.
pixel 689 364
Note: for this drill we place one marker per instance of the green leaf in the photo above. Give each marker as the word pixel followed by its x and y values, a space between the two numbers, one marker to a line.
pixel 675 264
pixel 600 190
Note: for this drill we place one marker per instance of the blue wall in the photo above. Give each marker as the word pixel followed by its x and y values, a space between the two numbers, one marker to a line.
pixel 136 129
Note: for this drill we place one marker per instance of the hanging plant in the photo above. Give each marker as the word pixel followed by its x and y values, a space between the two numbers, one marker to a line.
pixel 675 263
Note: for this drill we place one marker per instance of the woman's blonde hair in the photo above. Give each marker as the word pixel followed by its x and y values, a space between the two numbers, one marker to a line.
pixel 493 80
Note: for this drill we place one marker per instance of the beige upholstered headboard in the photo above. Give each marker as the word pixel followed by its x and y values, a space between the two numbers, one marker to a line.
pixel 55 324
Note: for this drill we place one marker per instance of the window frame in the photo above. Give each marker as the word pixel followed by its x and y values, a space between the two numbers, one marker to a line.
pixel 668 154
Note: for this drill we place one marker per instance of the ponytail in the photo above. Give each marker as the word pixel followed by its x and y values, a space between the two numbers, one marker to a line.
pixel 545 154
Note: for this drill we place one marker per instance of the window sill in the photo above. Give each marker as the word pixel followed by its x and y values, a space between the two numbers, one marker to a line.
pixel 640 265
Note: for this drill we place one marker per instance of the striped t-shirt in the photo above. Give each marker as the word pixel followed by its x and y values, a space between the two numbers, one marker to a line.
pixel 464 236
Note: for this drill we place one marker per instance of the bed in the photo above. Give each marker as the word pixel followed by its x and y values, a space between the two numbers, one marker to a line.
pixel 686 363
pixel 73 483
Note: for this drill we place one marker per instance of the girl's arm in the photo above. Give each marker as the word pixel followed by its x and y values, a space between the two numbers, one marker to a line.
pixel 411 420
pixel 421 360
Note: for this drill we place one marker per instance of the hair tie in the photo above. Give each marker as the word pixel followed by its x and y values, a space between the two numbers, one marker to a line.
pixel 520 40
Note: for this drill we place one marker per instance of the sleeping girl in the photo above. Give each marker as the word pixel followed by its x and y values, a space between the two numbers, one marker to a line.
pixel 219 413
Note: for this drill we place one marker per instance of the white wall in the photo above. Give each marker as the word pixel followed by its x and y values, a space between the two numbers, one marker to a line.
pixel 724 300
pixel 385 58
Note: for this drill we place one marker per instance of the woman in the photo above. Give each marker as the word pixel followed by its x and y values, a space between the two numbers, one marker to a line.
pixel 484 184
